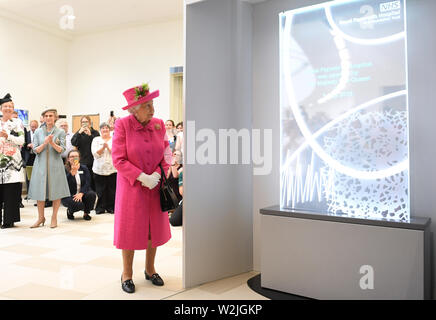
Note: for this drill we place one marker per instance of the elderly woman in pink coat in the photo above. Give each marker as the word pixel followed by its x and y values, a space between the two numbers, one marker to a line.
pixel 139 149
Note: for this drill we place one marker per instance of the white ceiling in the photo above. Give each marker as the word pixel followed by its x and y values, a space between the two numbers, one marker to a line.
pixel 93 15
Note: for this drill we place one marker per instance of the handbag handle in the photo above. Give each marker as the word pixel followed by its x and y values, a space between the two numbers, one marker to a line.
pixel 162 174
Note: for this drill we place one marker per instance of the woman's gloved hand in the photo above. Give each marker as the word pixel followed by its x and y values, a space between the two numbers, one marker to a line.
pixel 149 180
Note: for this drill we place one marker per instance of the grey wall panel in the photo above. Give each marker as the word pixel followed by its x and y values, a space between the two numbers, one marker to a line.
pixel 421 46
pixel 218 237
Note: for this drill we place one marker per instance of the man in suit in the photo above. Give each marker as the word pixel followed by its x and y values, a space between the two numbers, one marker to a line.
pixel 28 154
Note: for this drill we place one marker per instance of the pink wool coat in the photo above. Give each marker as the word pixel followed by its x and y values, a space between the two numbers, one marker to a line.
pixel 137 149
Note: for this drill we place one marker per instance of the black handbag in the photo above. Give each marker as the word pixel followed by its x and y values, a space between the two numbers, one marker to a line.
pixel 168 198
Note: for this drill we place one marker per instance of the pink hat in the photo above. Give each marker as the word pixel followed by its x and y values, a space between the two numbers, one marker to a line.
pixel 138 95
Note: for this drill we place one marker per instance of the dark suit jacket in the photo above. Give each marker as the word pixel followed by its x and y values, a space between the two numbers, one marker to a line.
pixel 85 180
pixel 26 152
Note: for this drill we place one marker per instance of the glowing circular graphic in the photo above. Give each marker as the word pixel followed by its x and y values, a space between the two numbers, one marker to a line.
pixel 311 138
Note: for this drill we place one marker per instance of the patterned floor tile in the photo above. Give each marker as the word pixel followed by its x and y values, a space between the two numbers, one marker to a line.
pixel 26 249
pixel 33 291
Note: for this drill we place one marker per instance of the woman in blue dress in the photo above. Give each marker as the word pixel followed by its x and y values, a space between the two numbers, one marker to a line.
pixel 48 180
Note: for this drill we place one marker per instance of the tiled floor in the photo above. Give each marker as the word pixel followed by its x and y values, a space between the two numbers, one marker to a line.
pixel 78 261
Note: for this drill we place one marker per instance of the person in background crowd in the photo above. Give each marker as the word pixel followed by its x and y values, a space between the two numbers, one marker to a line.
pixel 171 133
pixel 63 124
pixel 48 178
pixel 139 149
pixel 82 140
pixel 180 139
pixel 176 219
pixel 79 182
pixel 105 175
pixel 179 127
pixel 181 182
pixel 173 173
pixel 29 155
pixel 175 178
pixel 111 122
pixel 11 164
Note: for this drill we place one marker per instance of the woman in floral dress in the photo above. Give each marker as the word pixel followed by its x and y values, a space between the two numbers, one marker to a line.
pixel 11 163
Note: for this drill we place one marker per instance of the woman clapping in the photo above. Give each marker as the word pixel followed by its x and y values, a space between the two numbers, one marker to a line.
pixel 105 175
pixel 48 179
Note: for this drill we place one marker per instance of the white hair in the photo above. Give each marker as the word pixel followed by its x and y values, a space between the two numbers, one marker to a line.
pixel 132 110
pixel 61 121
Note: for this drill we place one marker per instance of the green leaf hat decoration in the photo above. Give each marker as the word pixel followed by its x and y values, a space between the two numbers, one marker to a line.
pixel 141 91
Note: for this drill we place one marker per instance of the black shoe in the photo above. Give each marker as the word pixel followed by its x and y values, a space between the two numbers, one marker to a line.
pixel 155 279
pixel 48 204
pixel 87 217
pixel 128 285
pixel 21 205
pixel 7 225
pixel 110 210
pixel 99 211
pixel 70 215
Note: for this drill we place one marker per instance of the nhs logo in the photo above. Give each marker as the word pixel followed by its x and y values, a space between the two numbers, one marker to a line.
pixel 389 6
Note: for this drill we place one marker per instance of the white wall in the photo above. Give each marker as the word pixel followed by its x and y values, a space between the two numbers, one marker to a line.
pixel 89 73
pixel 33 66
pixel 103 65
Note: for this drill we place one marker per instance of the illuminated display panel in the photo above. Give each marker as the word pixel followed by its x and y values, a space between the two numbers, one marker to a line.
pixel 344 112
